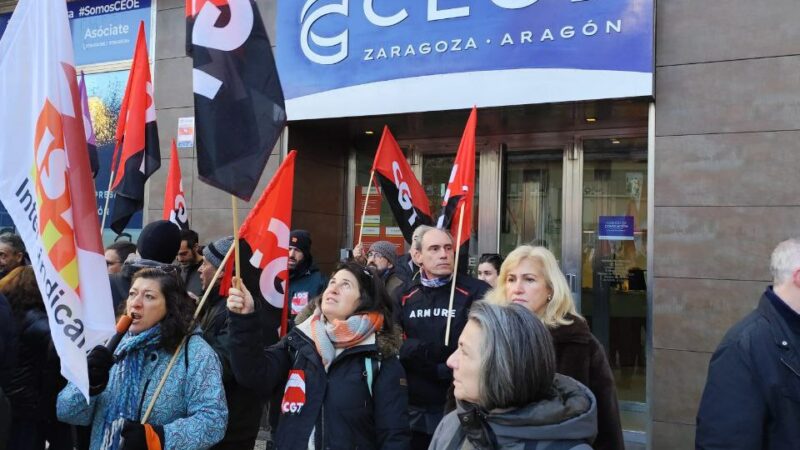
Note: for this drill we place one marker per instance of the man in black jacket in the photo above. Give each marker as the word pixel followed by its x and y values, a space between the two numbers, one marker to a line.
pixel 752 394
pixel 245 406
pixel 424 310
pixel 189 259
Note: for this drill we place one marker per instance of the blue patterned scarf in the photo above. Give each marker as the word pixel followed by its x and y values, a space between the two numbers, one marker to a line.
pixel 433 282
pixel 123 385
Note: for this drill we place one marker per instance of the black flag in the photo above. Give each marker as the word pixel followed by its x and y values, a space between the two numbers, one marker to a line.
pixel 238 101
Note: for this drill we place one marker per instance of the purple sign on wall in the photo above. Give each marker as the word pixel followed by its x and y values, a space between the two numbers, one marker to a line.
pixel 615 228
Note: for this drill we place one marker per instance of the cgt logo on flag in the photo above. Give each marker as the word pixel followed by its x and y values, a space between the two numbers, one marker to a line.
pixel 294 396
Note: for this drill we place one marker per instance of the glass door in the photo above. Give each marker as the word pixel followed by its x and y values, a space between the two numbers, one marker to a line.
pixel 587 203
pixel 532 200
pixel 613 252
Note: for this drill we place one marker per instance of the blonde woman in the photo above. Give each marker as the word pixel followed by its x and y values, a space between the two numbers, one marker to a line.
pixel 530 276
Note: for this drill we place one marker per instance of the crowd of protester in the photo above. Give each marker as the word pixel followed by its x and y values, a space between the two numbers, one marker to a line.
pixel 377 355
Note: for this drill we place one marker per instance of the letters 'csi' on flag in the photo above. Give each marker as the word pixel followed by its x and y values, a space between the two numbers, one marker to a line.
pixel 46 183
pixel 88 128
pixel 137 138
pixel 264 244
pixel 238 101
pixel 461 186
pixel 400 187
pixel 174 201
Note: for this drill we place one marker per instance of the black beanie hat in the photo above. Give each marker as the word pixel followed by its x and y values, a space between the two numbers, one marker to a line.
pixel 301 240
pixel 159 241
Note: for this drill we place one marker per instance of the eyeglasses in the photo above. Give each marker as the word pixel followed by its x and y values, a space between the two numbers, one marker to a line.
pixel 375 255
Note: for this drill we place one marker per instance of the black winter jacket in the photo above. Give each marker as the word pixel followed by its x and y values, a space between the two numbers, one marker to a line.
pixel 336 405
pixel 423 317
pixel 752 394
pixel 35 380
pixel 305 283
pixel 8 341
pixel 245 406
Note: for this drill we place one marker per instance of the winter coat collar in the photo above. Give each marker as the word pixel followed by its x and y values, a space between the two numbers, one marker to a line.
pixel 387 343
pixel 784 339
pixel 571 414
pixel 577 332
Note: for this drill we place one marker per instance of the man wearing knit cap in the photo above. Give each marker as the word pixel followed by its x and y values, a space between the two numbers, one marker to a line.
pixel 305 279
pixel 382 257
pixel 244 406
pixel 158 245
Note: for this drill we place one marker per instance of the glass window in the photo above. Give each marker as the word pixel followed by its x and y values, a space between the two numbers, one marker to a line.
pixel 532 200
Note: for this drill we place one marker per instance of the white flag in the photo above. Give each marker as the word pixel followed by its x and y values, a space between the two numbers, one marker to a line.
pixel 46 183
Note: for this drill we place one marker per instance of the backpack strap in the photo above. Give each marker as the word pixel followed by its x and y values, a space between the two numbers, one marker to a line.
pixel 372 366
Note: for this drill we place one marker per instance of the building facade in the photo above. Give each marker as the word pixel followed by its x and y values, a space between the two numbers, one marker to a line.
pixel 663 205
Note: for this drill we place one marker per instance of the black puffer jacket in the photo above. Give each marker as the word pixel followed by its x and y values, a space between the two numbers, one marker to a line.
pixel 423 318
pixel 336 405
pixel 35 379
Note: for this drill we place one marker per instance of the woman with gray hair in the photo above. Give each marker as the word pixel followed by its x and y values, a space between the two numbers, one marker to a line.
pixel 507 391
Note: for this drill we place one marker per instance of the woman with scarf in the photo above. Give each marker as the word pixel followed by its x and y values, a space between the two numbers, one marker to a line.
pixel 342 384
pixel 530 276
pixel 508 392
pixel 189 413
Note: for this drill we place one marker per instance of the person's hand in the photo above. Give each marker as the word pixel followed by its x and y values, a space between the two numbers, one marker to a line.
pixel 99 362
pixel 358 251
pixel 239 299
pixel 135 436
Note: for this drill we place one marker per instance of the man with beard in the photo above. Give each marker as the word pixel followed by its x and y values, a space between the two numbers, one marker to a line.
pixel 382 257
pixel 189 260
pixel 12 253
pixel 305 279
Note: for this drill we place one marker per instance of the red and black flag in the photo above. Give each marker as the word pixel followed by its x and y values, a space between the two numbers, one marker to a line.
pixel 264 244
pixel 91 139
pixel 238 100
pixel 400 187
pixel 461 186
pixel 175 209
pixel 137 137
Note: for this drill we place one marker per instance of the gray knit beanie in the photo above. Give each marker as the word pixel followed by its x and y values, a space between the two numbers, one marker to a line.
pixel 215 252
pixel 385 249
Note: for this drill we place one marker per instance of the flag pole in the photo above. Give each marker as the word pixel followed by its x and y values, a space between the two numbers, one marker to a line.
pixel 197 310
pixel 105 207
pixel 455 274
pixel 364 211
pixel 236 251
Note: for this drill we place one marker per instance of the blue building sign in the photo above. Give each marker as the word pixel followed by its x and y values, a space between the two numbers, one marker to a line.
pixel 105 30
pixel 4 22
pixel 341 58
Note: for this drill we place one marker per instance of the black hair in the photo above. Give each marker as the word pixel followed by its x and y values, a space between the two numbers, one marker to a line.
pixel 123 249
pixel 191 238
pixel 492 258
pixel 372 294
pixel 180 307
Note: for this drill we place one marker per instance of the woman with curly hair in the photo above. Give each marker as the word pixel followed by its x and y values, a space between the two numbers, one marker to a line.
pixel 190 412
